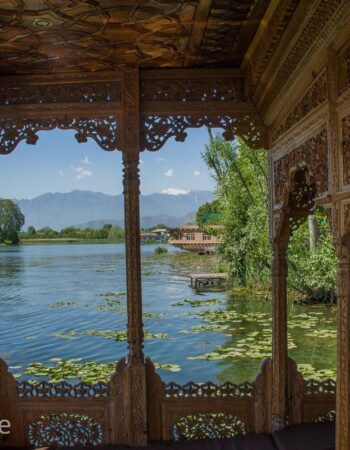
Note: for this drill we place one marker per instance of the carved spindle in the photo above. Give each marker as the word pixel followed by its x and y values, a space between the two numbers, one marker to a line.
pixel 133 257
pixel 135 402
pixel 343 350
pixel 279 334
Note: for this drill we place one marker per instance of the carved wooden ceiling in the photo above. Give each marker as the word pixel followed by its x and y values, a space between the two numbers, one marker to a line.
pixel 55 36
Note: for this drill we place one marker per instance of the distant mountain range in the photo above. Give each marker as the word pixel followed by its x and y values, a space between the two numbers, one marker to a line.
pixel 94 209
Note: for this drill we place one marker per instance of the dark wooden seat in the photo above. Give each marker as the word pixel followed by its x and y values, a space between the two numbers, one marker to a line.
pixel 310 436
pixel 306 436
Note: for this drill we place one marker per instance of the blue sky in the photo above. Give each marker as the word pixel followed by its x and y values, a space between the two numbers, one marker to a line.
pixel 57 163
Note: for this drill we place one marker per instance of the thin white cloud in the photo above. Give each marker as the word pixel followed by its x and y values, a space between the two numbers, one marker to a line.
pixel 87 161
pixel 169 173
pixel 160 159
pixel 81 173
pixel 60 173
pixel 175 191
pixel 142 162
pixel 196 173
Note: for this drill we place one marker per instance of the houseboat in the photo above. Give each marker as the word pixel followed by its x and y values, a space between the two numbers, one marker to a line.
pixel 192 238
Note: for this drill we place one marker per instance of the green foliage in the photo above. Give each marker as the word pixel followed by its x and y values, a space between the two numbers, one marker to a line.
pixel 209 214
pixel 312 272
pixel 116 234
pixel 11 221
pixel 107 232
pixel 240 174
pixel 242 190
pixel 160 250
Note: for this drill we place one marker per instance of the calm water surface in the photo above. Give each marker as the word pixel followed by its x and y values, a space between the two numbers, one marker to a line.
pixel 49 290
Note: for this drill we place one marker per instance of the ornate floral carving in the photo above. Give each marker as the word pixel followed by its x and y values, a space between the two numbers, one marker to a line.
pixel 279 333
pixel 96 36
pixel 207 426
pixel 320 387
pixel 61 93
pixel 45 389
pixel 346 219
pixel 315 96
pixel 316 25
pixel 194 90
pixel 65 430
pixel 312 153
pixel 344 69
pixel 102 130
pixel 157 129
pixel 273 32
pixel 346 149
pixel 208 390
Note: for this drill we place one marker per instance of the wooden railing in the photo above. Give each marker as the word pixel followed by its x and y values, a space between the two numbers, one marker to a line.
pixel 64 415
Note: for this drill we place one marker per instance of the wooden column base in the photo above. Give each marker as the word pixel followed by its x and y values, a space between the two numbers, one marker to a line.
pixel 128 393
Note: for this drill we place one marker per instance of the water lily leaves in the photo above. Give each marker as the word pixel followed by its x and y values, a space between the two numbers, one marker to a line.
pixel 62 304
pixel 106 334
pixel 86 371
pixel 308 371
pixel 113 294
pixel 168 367
pixel 198 303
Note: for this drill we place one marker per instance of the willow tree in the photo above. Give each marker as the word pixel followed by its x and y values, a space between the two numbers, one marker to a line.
pixel 11 221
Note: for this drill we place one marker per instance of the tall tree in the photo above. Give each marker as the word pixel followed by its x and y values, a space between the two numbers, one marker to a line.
pixel 11 221
pixel 240 174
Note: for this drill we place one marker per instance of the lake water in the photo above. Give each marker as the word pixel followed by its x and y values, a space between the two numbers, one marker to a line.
pixel 56 302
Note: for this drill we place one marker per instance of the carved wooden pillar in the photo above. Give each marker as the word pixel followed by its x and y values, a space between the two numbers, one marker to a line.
pixel 279 334
pixel 135 373
pixel 343 352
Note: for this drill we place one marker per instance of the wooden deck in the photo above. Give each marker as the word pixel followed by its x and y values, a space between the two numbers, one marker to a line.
pixel 207 280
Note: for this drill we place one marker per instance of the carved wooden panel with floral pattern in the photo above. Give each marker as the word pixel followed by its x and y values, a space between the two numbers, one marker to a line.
pixel 314 155
pixel 316 95
pixel 344 69
pixel 346 149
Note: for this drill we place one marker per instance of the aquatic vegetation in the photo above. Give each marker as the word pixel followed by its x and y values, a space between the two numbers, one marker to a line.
pixel 308 371
pixel 76 369
pixel 198 303
pixel 149 273
pixel 152 315
pixel 255 345
pixel 323 334
pixel 106 334
pixel 200 328
pixel 112 294
pixel 88 371
pixel 160 250
pixel 62 304
pixel 168 367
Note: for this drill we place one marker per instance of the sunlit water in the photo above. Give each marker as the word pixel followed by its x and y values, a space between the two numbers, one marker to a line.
pixel 49 290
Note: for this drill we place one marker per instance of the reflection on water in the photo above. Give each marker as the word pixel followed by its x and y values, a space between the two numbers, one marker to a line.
pixel 68 301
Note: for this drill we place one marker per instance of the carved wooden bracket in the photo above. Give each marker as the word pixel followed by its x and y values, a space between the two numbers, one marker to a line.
pixel 169 102
pixel 102 130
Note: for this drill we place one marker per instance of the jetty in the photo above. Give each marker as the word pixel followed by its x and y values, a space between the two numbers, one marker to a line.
pixel 208 280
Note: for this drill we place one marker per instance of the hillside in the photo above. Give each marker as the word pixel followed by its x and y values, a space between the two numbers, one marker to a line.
pixel 86 208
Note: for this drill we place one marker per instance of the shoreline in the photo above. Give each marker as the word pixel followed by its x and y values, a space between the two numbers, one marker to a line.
pixel 61 241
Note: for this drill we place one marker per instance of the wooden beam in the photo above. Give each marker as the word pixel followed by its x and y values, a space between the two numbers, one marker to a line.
pixel 199 26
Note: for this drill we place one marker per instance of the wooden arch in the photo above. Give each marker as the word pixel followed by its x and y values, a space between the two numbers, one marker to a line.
pixel 298 200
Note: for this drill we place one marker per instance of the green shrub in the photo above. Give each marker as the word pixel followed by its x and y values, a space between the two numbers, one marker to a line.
pixel 160 250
